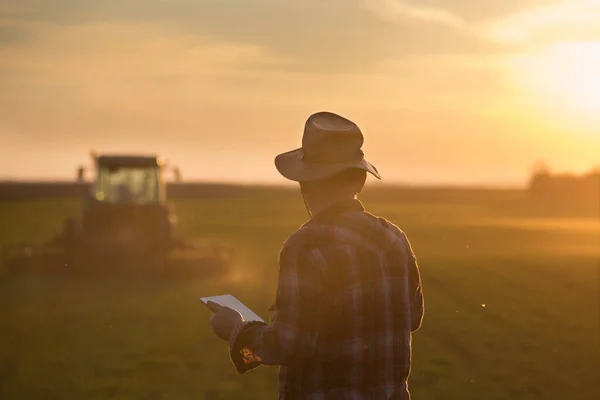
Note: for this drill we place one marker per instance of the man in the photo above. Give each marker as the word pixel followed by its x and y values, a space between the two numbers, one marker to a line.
pixel 349 291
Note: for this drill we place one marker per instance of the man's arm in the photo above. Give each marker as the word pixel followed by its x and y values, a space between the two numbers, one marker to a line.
pixel 417 308
pixel 417 304
pixel 293 335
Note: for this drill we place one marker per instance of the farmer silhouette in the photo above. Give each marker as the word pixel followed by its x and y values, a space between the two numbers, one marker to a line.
pixel 349 293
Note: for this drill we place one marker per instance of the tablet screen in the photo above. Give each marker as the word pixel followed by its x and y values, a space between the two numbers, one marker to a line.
pixel 231 302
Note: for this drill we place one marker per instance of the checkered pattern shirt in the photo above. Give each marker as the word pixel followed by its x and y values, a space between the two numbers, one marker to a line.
pixel 348 299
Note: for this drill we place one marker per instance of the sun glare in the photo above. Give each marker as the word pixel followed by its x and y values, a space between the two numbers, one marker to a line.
pixel 565 79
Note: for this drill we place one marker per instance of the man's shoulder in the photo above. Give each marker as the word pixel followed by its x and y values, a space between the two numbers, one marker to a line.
pixel 385 223
pixel 352 227
pixel 301 238
pixel 310 236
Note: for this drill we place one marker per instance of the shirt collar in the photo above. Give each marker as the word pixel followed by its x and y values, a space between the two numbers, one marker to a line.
pixel 339 208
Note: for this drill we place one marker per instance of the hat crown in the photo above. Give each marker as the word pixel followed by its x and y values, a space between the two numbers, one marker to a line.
pixel 331 138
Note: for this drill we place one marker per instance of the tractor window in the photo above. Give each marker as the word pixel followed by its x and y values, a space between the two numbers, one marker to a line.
pixel 128 185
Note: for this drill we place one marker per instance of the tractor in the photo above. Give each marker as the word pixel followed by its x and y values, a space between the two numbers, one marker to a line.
pixel 126 224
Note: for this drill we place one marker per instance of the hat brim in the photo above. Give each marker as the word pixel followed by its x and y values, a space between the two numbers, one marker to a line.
pixel 291 166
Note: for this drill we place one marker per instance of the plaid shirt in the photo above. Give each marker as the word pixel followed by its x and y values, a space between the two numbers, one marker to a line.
pixel 349 296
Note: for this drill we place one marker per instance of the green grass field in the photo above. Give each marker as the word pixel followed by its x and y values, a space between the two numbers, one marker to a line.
pixel 511 299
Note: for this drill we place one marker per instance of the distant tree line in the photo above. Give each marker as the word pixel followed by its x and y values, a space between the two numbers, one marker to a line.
pixel 15 191
pixel 580 193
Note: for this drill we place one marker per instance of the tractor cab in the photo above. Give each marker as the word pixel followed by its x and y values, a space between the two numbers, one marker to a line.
pixel 126 209
pixel 129 180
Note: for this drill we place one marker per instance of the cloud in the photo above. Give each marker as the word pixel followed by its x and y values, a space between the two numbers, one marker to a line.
pixel 107 51
pixel 154 78
pixel 568 17
pixel 10 35
pixel 330 36
pixel 396 10
pixel 562 20
pixel 115 76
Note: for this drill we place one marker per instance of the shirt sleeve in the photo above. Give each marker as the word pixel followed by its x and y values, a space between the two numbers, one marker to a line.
pixel 292 336
pixel 417 306
pixel 417 303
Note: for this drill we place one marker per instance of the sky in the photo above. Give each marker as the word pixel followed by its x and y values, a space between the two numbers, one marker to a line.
pixel 444 91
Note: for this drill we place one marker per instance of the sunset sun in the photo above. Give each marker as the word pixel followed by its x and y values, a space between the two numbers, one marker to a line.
pixel 565 79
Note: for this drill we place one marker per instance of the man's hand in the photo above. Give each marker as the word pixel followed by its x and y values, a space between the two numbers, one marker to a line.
pixel 224 320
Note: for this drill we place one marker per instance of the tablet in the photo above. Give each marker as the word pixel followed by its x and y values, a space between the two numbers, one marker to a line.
pixel 228 300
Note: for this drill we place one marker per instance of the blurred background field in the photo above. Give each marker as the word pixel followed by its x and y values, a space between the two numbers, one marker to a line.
pixel 511 294
pixel 457 93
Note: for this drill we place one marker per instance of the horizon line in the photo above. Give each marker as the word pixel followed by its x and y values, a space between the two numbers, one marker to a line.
pixel 284 184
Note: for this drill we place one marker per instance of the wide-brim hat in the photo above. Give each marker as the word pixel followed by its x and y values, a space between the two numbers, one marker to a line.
pixel 330 144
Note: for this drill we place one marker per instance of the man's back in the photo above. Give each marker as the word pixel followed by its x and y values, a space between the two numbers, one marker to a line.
pixel 349 291
pixel 370 300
